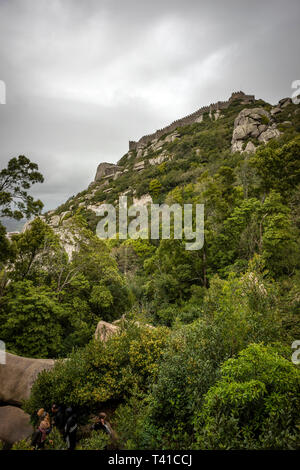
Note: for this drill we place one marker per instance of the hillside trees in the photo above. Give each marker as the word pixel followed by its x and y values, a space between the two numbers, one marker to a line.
pixel 234 313
pixel 258 227
pixel 254 405
pixel 15 202
pixel 102 371
pixel 279 166
pixel 31 320
pixel 15 180
pixel 48 292
pixel 108 293
pixel 35 249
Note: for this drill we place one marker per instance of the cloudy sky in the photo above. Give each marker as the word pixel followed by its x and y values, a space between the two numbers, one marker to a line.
pixel 84 77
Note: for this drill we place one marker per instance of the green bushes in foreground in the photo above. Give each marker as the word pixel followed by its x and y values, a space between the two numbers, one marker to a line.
pixel 102 371
pixel 222 381
pixel 254 405
pixel 98 440
pixel 95 441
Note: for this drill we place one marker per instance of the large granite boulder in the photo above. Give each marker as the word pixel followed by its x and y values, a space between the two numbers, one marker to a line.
pixel 106 169
pixel 255 123
pixel 105 330
pixel 18 375
pixel 14 424
pixel 270 133
pixel 284 102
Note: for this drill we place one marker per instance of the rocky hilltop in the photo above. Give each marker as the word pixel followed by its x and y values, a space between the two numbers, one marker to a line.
pixel 179 154
pixel 214 110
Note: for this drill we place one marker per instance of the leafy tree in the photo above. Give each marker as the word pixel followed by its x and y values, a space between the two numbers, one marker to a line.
pixel 172 273
pixel 30 321
pixel 15 180
pixel 106 291
pixel 257 227
pixel 35 249
pixel 254 405
pixel 154 187
pixel 279 167
pixel 5 246
pixel 280 245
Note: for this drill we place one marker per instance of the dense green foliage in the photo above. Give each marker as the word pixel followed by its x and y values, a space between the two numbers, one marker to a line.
pixel 96 441
pixel 53 303
pixel 215 372
pixel 255 404
pixel 102 371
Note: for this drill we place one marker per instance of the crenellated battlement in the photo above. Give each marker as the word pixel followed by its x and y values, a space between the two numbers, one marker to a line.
pixel 191 118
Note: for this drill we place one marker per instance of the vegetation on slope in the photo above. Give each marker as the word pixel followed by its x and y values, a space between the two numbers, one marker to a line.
pixel 216 370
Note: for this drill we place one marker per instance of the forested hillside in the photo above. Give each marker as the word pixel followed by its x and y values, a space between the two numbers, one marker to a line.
pixel 202 358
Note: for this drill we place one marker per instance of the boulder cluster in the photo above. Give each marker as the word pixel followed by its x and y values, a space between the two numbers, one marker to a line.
pixel 17 376
pixel 256 126
pixel 252 125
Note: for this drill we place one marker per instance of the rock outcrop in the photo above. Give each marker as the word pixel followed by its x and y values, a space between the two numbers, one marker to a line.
pixel 105 330
pixel 106 170
pixel 18 375
pixel 280 106
pixel 255 123
pixel 14 424
pixel 284 102
pixel 139 166
pixel 143 200
pixel 164 156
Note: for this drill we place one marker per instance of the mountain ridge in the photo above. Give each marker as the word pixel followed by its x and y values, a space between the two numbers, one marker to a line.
pixel 199 145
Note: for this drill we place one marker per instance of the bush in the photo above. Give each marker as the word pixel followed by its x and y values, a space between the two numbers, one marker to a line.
pixel 55 441
pixel 255 404
pixel 31 319
pixel 24 444
pixel 234 313
pixel 101 371
pixel 98 440
pixel 130 423
pixel 189 367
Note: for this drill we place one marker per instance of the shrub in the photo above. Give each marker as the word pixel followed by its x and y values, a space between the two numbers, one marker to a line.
pixel 24 444
pixel 255 404
pixel 130 423
pixel 55 441
pixel 234 313
pixel 98 440
pixel 189 367
pixel 154 187
pixel 101 371
pixel 264 119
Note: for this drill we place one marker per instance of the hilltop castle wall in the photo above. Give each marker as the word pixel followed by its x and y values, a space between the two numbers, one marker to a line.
pixel 191 118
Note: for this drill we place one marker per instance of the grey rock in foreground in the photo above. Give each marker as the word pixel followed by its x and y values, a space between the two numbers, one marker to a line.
pixel 18 375
pixel 14 424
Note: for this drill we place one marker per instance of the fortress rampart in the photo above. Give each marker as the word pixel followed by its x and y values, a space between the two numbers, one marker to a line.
pixel 191 118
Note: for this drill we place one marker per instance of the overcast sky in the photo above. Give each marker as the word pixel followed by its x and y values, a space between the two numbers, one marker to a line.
pixel 84 77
